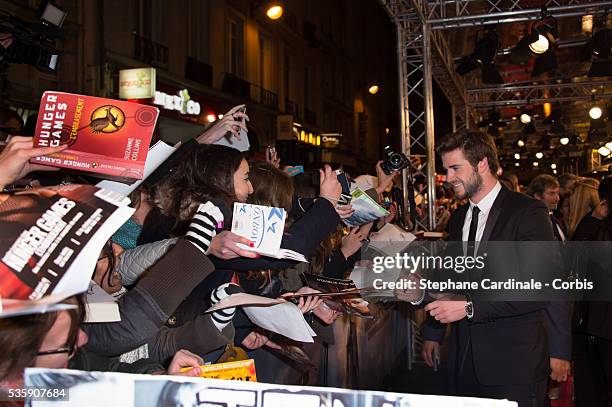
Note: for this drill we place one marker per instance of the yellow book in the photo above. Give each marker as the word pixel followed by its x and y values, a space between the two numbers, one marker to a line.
pixel 240 370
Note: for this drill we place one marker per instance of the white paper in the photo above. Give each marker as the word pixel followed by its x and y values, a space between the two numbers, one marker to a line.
pixel 158 153
pixel 101 306
pixel 233 142
pixel 138 390
pixel 285 319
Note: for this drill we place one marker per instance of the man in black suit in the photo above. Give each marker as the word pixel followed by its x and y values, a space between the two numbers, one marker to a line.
pixel 496 349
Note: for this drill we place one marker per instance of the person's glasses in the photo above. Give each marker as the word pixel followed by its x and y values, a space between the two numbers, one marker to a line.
pixel 70 349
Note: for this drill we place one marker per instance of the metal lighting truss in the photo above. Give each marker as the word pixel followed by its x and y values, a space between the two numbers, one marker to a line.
pixel 517 95
pixel 442 14
pixel 424 54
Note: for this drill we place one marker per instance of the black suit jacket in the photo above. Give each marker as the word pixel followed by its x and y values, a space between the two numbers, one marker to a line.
pixel 508 338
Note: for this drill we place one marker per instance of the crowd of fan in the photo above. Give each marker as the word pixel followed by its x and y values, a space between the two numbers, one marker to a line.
pixel 176 257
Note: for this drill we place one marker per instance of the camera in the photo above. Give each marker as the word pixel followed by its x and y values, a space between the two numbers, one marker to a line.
pixel 394 161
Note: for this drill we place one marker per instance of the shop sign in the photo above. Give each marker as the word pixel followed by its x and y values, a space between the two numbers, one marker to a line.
pixel 137 83
pixel 181 102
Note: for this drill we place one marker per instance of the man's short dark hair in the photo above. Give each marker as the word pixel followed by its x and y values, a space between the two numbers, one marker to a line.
pixel 605 188
pixel 541 183
pixel 475 146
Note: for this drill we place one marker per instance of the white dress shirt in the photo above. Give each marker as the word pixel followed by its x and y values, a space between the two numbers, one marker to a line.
pixel 485 206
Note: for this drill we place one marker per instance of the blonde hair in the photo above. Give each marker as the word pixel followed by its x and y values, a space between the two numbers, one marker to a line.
pixel 584 199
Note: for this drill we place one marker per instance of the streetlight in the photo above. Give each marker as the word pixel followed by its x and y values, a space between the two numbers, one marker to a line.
pixel 274 12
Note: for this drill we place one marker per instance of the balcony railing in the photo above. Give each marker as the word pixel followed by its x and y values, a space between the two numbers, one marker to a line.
pixel 239 87
pixel 292 109
pixel 150 52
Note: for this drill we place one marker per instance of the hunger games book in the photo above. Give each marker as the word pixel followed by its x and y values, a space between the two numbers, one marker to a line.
pixel 106 137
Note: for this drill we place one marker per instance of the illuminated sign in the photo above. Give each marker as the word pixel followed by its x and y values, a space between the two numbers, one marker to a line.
pixel 181 102
pixel 137 83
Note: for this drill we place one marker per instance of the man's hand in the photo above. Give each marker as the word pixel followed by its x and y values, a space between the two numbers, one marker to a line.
pixel 224 246
pixel 559 369
pixel 384 180
pixel 232 122
pixel 183 358
pixel 430 351
pixel 14 159
pixel 446 311
pixel 329 186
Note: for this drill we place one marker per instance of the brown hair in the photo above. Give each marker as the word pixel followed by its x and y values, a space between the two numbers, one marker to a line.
pixel 271 186
pixel 206 173
pixel 540 183
pixel 22 336
pixel 475 146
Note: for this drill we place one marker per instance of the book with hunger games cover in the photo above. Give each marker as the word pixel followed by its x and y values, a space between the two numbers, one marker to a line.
pixel 105 137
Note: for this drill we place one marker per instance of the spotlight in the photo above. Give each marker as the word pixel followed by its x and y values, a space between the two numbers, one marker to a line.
pixel 482 57
pixel 517 156
pixel 520 143
pixel 539 155
pixel 538 42
pixel 51 14
pixel 604 151
pixel 595 112
pixel 525 118
pixel 211 118
pixel 599 48
pixel 493 122
pixel 564 140
pixel 553 166
pixel 373 89
pixel 535 163
pixel 540 45
pixel 609 145
pixel 555 172
pixel 530 128
pixel 517 164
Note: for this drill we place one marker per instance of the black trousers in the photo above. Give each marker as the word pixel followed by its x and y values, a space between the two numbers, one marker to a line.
pixel 592 371
pixel 530 395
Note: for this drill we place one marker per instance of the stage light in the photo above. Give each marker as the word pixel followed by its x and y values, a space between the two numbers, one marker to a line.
pixel 517 156
pixel 564 140
pixel 599 47
pixel 540 45
pixel 274 12
pixel 555 172
pixel 604 151
pixel 211 118
pixel 517 164
pixel 595 112
pixel 520 143
pixel 483 56
pixel 219 116
pixel 553 166
pixel 50 13
pixel 373 89
pixel 525 118
pixel 535 163
pixel 609 145
pixel 539 155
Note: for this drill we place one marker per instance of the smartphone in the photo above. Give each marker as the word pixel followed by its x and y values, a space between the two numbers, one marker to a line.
pixel 242 132
pixel 345 196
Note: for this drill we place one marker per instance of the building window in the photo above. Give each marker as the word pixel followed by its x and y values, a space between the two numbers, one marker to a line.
pixel 235 46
